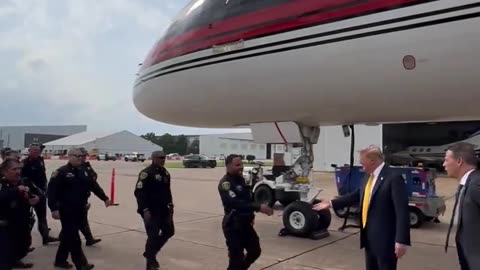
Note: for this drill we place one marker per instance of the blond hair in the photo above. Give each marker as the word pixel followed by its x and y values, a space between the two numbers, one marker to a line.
pixel 373 152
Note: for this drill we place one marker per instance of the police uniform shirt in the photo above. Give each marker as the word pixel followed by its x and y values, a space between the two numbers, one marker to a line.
pixel 152 191
pixel 91 172
pixel 70 187
pixel 34 170
pixel 237 195
pixel 93 176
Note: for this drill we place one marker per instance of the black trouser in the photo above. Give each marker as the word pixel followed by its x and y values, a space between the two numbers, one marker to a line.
pixel 62 255
pixel 241 236
pixel 461 257
pixel 22 242
pixel 41 213
pixel 70 242
pixel 15 240
pixel 5 249
pixel 374 262
pixel 155 240
pixel 85 226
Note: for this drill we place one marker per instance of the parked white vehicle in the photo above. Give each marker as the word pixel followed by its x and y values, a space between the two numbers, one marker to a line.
pixel 134 157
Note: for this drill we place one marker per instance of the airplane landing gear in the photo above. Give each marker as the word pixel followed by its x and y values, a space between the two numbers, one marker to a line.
pixel 299 218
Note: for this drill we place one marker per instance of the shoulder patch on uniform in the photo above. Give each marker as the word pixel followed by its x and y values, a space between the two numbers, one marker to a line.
pixel 226 185
pixel 143 175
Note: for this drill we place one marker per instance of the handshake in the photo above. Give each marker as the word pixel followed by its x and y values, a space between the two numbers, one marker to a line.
pixel 265 209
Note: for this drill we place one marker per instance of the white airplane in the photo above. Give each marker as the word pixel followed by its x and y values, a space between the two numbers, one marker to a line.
pixel 224 64
pixel 267 64
pixel 433 154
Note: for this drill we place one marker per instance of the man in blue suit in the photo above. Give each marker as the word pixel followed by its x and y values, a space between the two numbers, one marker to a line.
pixel 383 200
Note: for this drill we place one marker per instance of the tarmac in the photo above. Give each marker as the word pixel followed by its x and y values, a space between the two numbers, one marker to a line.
pixel 199 242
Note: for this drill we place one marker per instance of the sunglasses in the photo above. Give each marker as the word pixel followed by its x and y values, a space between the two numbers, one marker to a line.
pixel 160 157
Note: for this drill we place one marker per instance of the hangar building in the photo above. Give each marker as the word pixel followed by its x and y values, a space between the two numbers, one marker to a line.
pixel 20 137
pixel 113 143
pixel 334 148
pixel 221 145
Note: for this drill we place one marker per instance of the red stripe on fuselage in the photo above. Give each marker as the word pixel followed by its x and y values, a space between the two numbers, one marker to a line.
pixel 253 18
pixel 197 40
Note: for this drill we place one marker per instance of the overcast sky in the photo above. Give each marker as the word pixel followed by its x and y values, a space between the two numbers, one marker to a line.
pixel 74 62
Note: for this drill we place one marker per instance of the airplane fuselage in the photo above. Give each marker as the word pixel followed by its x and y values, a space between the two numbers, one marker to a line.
pixel 327 62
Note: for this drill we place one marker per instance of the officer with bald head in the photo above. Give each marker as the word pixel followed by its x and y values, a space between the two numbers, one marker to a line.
pixel 155 206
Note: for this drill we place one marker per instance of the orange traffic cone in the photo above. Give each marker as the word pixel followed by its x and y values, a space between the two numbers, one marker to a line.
pixel 112 188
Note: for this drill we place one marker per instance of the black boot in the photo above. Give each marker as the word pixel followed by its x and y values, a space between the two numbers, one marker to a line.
pixel 152 264
pixel 91 242
pixel 22 265
pixel 50 239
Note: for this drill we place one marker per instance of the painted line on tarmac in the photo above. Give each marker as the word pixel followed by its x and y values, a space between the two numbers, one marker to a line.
pixel 432 244
pixel 109 234
pixel 308 251
pixel 200 244
pixel 142 232
pixel 198 212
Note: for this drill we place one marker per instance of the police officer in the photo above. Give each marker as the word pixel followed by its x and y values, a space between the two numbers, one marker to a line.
pixel 16 216
pixel 155 206
pixel 85 228
pixel 34 171
pixel 239 216
pixel 68 192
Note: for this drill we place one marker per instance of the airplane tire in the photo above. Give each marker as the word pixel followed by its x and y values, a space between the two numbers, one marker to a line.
pixel 324 217
pixel 416 217
pixel 300 219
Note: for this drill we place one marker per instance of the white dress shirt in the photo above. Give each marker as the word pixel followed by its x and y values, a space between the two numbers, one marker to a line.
pixel 376 173
pixel 465 177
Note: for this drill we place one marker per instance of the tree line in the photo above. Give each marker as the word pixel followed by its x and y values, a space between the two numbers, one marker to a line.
pixel 174 143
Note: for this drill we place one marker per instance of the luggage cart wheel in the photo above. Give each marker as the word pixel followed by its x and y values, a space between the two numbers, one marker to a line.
pixel 416 217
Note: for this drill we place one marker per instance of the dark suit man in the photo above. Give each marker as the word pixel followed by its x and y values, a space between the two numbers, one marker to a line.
pixel 383 200
pixel 461 162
